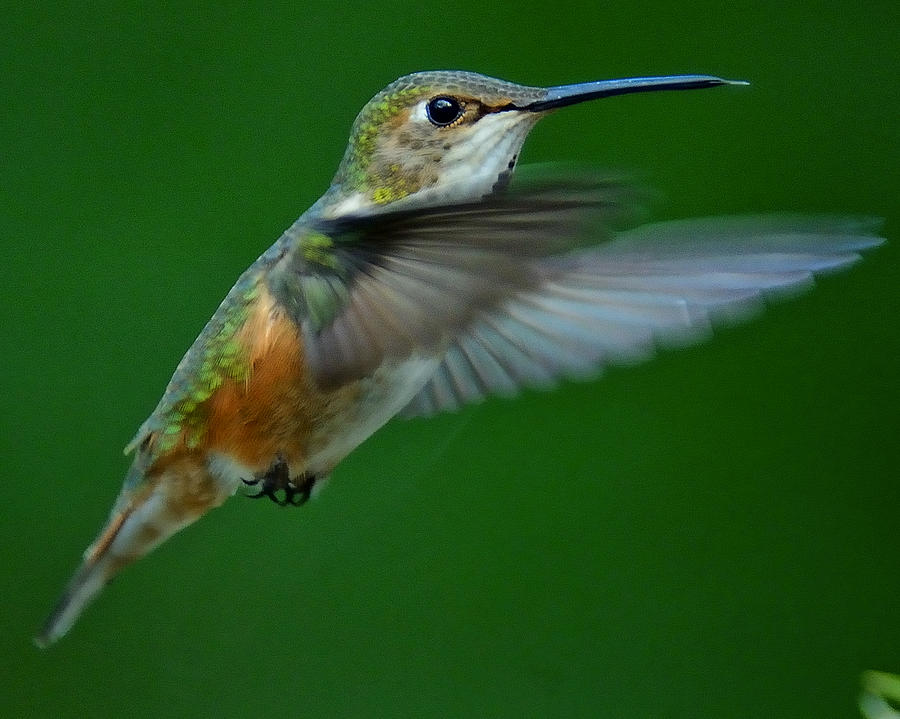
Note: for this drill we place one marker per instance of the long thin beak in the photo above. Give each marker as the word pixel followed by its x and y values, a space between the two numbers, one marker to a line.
pixel 563 95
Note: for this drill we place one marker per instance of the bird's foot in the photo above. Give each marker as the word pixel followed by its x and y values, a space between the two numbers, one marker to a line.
pixel 295 491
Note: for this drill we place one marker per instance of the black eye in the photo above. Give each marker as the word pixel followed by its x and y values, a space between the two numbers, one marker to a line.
pixel 443 111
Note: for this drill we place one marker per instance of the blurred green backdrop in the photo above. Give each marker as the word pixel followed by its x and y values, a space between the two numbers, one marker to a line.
pixel 713 534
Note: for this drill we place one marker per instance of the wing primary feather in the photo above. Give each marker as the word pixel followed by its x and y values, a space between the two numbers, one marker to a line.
pixel 540 281
pixel 494 377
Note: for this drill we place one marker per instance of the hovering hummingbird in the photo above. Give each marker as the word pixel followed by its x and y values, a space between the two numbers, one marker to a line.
pixel 419 282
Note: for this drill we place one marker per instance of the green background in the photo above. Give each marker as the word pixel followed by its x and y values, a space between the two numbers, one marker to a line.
pixel 713 534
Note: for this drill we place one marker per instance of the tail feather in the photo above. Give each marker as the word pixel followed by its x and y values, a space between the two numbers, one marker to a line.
pixel 138 523
pixel 85 585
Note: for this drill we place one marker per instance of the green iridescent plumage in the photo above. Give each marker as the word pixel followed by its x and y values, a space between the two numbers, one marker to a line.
pixel 222 359
pixel 317 249
pixel 314 284
pixel 354 173
pixel 216 356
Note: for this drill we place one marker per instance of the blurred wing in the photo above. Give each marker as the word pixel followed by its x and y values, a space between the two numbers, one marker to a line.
pixel 660 284
pixel 368 289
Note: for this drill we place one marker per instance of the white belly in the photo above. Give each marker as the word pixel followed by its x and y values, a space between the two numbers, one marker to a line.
pixel 383 395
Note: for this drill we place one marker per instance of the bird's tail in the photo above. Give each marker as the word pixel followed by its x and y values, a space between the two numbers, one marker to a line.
pixel 141 519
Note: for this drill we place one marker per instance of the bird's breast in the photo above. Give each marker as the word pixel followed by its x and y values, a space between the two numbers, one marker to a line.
pixel 277 408
pixel 274 408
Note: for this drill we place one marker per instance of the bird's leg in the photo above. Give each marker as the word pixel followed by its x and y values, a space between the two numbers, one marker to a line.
pixel 276 478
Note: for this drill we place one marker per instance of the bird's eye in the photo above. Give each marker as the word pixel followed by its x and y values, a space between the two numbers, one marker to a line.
pixel 443 111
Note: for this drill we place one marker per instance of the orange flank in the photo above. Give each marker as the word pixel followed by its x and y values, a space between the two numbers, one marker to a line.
pixel 276 408
pixel 272 410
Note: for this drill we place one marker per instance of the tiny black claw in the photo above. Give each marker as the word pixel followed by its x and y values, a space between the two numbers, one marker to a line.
pixel 277 478
pixel 265 492
pixel 298 491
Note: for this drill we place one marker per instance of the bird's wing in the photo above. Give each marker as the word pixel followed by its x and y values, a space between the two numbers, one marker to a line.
pixel 533 284
pixel 368 289
pixel 659 284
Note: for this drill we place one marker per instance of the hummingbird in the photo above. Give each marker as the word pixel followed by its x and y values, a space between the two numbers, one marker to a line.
pixel 423 280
